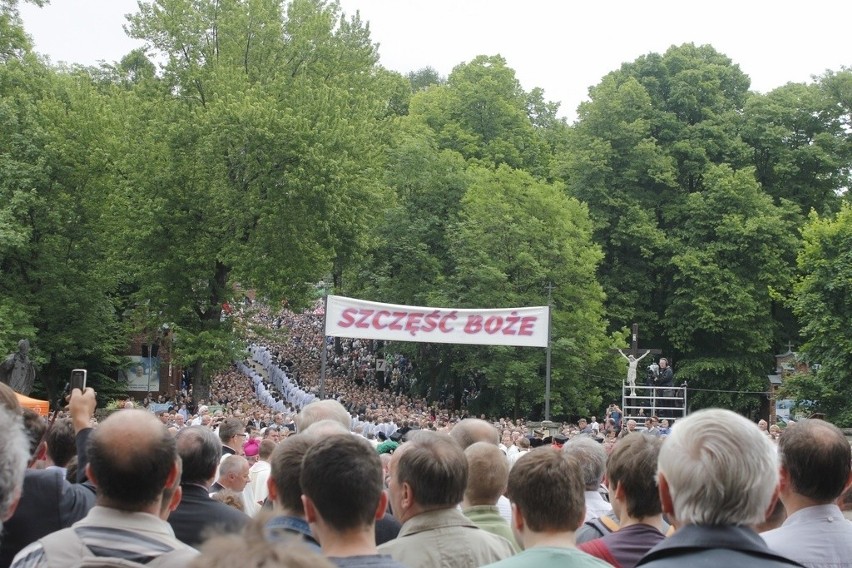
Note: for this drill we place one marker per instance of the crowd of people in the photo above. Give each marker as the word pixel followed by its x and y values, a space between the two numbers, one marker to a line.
pixel 714 491
pixel 269 472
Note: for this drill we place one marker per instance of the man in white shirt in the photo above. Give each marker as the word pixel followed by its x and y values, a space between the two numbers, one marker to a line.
pixel 259 472
pixel 592 458
pixel 815 470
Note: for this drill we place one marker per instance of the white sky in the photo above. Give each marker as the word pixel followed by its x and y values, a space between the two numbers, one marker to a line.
pixel 562 46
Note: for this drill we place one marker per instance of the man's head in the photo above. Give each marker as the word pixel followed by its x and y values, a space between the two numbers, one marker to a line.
pixel 200 451
pixel 425 474
pixel 61 442
pixel 472 430
pixel 322 410
pixel 631 475
pixel 14 455
pixel 272 434
pixel 232 433
pixel 815 461
pixel 546 491
pixel 488 472
pixel 592 459
pixel 131 477
pixel 341 481
pixel 234 473
pixel 286 468
pixel 266 449
pixel 717 468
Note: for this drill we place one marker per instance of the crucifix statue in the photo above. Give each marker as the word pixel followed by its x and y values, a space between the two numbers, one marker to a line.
pixel 633 358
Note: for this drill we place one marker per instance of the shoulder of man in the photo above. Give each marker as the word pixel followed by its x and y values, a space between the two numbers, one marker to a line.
pixel 65 548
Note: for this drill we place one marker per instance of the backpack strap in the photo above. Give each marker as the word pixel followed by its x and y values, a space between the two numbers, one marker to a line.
pixel 610 523
pixel 602 525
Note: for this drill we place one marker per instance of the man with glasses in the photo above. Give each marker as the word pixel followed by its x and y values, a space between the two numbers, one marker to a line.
pixel 232 432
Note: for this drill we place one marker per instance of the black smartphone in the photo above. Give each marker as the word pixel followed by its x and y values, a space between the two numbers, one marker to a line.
pixel 78 379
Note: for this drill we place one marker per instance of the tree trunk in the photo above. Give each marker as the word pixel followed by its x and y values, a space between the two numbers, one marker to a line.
pixel 210 318
pixel 200 384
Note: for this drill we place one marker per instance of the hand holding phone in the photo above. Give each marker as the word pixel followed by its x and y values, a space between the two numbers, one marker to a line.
pixel 78 379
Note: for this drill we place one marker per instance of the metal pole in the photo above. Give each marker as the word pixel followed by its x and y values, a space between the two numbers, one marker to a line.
pixel 324 345
pixel 547 367
pixel 150 367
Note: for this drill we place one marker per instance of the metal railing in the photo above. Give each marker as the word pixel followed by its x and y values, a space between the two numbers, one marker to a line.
pixel 664 402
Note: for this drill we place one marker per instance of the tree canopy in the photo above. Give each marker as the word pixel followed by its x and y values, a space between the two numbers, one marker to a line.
pixel 261 145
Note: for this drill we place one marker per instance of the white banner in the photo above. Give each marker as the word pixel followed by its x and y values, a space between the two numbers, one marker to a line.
pixel 348 317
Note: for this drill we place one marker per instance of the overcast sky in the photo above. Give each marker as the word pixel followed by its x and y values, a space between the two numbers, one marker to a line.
pixel 562 46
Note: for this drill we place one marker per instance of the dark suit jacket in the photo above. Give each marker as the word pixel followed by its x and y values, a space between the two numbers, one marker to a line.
pixel 701 545
pixel 48 503
pixel 198 516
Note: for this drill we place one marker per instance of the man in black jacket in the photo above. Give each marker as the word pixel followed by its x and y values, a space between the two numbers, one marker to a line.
pixel 717 475
pixel 197 517
pixel 48 502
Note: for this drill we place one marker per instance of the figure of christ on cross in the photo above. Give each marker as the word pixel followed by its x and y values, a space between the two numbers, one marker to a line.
pixel 632 364
pixel 633 357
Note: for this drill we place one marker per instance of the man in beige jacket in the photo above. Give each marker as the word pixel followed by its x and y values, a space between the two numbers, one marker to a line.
pixel 427 479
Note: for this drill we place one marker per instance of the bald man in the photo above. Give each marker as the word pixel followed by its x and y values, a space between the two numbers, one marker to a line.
pixel 472 430
pixel 132 481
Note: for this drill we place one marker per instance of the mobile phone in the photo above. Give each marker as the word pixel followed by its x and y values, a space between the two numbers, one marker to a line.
pixel 78 379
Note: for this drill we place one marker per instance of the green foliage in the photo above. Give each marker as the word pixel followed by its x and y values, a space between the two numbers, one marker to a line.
pixel 483 113
pixel 800 140
pixel 515 236
pixel 267 160
pixel 694 246
pixel 823 303
pixel 733 245
pixel 54 287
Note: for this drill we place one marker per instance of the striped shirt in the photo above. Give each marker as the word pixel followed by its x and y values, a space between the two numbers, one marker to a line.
pixel 105 533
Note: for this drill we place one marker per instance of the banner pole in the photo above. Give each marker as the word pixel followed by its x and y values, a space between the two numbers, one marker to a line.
pixel 547 367
pixel 324 345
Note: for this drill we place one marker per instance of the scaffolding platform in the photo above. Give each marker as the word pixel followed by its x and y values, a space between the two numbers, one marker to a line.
pixel 663 402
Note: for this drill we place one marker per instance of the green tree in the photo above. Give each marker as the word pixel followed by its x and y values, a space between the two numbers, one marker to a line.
pixel 424 78
pixel 732 249
pixel 270 161
pixel 800 143
pixel 483 113
pixel 55 286
pixel 822 301
pixel 515 236
pixel 659 156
